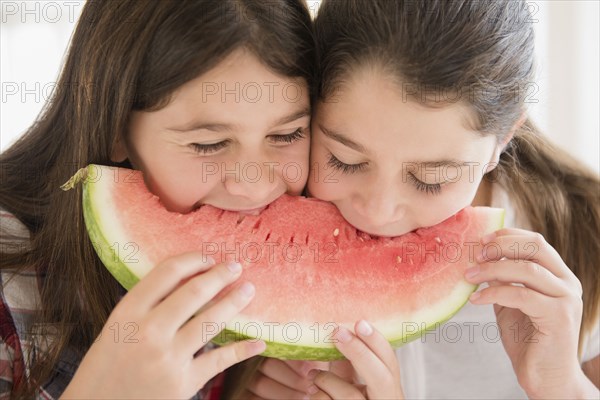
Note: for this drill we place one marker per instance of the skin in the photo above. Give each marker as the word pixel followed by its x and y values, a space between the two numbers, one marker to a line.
pixel 158 360
pixel 257 146
pixel 380 199
pixel 382 196
pixel 163 308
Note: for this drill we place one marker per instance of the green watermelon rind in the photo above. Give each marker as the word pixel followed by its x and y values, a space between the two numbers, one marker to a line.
pixel 104 250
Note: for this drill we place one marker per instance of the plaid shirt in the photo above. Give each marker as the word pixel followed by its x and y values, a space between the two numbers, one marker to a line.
pixel 19 300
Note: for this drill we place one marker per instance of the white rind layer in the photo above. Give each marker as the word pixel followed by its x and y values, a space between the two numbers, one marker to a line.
pixel 394 328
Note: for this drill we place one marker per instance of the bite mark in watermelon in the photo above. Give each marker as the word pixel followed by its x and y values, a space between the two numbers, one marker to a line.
pixel 312 270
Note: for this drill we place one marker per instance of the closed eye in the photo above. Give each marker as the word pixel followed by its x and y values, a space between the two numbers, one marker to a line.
pixel 209 148
pixel 335 163
pixel 289 138
pixel 205 149
pixel 428 188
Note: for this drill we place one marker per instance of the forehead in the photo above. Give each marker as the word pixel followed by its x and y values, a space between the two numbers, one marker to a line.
pixel 373 110
pixel 242 77
pixel 239 88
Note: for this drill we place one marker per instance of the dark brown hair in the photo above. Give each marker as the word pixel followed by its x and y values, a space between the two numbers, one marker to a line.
pixel 125 55
pixel 482 53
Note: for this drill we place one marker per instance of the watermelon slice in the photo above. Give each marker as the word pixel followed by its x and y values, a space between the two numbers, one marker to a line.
pixel 311 269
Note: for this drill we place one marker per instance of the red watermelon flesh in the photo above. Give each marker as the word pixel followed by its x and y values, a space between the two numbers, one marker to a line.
pixel 311 269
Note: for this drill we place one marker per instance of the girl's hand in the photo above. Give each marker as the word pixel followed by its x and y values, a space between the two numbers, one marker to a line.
pixel 278 379
pixel 147 347
pixel 538 320
pixel 372 359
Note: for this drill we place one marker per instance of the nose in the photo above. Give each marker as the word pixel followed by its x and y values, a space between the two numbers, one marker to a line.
pixel 252 180
pixel 380 203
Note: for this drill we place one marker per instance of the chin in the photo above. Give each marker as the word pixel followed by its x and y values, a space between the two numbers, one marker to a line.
pixel 389 230
pixel 178 208
pixel 386 231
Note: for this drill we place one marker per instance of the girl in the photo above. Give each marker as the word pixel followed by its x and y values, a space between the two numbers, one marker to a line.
pixel 166 87
pixel 421 112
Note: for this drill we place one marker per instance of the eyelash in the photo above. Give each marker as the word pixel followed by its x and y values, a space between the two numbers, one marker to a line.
pixel 209 148
pixel 290 137
pixel 345 168
pixel 213 148
pixel 428 188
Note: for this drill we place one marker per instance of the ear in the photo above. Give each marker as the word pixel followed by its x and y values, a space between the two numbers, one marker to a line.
pixel 119 150
pixel 495 159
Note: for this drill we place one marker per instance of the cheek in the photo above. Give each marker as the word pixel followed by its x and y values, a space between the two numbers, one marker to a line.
pixel 295 176
pixel 435 209
pixel 434 212
pixel 180 183
pixel 293 167
pixel 324 183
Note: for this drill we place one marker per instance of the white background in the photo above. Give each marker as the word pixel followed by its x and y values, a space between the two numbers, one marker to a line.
pixel 35 35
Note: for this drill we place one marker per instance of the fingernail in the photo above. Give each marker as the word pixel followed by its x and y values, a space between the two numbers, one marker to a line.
pixel 234 267
pixel 309 365
pixel 312 390
pixel 208 260
pixel 475 295
pixel 472 272
pixel 364 328
pixel 488 238
pixel 247 289
pixel 312 374
pixel 343 335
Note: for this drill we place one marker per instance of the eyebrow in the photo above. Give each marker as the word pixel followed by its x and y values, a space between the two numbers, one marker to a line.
pixel 359 147
pixel 223 127
pixel 346 141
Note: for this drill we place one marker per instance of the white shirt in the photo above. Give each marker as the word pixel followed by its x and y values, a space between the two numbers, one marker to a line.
pixel 464 358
